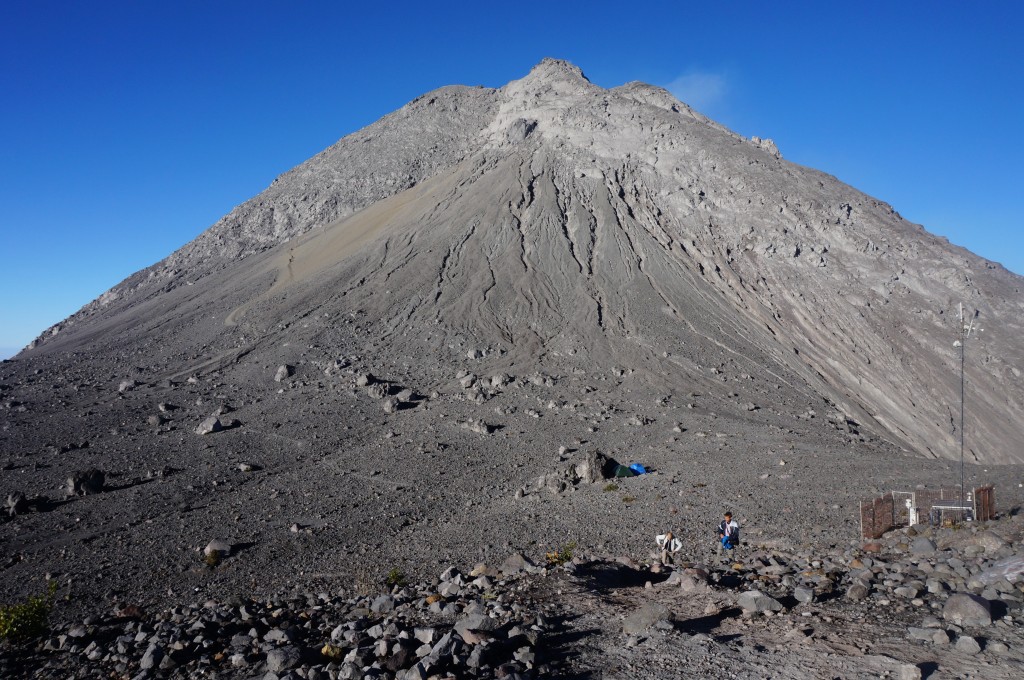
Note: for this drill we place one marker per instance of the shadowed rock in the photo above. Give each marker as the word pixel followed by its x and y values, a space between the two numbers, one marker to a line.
pixel 85 482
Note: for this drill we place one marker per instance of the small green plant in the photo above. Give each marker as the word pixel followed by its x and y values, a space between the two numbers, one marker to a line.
pixel 395 578
pixel 30 619
pixel 628 499
pixel 560 556
pixel 611 486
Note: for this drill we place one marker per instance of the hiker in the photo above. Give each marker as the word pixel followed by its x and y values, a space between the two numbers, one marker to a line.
pixel 728 533
pixel 669 545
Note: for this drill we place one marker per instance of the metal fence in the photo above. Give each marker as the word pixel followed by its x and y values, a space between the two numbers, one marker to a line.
pixel 935 506
pixel 984 503
pixel 876 516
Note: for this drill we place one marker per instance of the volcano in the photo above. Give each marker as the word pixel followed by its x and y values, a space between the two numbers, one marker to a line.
pixel 417 324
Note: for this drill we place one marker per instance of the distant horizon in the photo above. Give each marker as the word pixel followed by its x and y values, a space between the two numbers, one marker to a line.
pixel 133 128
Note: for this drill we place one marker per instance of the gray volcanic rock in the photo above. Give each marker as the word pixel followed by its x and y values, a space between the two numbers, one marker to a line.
pixel 967 609
pixel 85 482
pixel 209 426
pixel 645 618
pixel 756 601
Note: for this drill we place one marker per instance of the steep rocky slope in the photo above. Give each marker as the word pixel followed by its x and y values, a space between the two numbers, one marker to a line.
pixel 554 216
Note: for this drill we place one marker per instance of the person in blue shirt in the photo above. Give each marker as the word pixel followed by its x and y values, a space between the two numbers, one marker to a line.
pixel 728 533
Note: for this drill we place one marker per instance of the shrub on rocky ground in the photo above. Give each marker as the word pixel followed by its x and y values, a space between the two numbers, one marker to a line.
pixel 560 555
pixel 30 619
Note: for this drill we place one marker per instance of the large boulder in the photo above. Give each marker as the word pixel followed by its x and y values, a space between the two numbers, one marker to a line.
pixel 644 618
pixel 85 482
pixel 476 628
pixel 990 541
pixel 594 467
pixel 967 609
pixel 922 546
pixel 756 601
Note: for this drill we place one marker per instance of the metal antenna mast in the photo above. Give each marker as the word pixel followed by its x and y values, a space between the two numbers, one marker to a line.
pixel 965 332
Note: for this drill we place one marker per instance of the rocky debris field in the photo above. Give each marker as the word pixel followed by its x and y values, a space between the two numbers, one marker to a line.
pixel 483 624
pixel 921 602
pixel 317 481
pixel 262 549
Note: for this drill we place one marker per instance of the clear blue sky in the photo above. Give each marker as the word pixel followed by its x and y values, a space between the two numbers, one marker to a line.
pixel 127 128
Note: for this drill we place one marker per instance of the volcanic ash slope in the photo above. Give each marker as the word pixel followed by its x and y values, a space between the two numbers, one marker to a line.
pixel 531 274
pixel 552 217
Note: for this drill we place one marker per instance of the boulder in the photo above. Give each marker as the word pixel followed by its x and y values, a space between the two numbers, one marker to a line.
pixel 990 541
pixel 154 654
pixel 858 591
pixel 478 426
pixel 922 634
pixel 284 372
pixel 967 645
pixel 209 426
pixel 594 467
pixel 922 546
pixel 756 601
pixel 909 671
pixel 967 609
pixel 805 595
pixel 516 563
pixel 218 547
pixel 471 627
pixel 688 582
pixel 383 604
pixel 644 618
pixel 16 503
pixel 86 482
pixel 283 658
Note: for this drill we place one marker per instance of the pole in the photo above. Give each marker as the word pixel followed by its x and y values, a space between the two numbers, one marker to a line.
pixel 963 342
